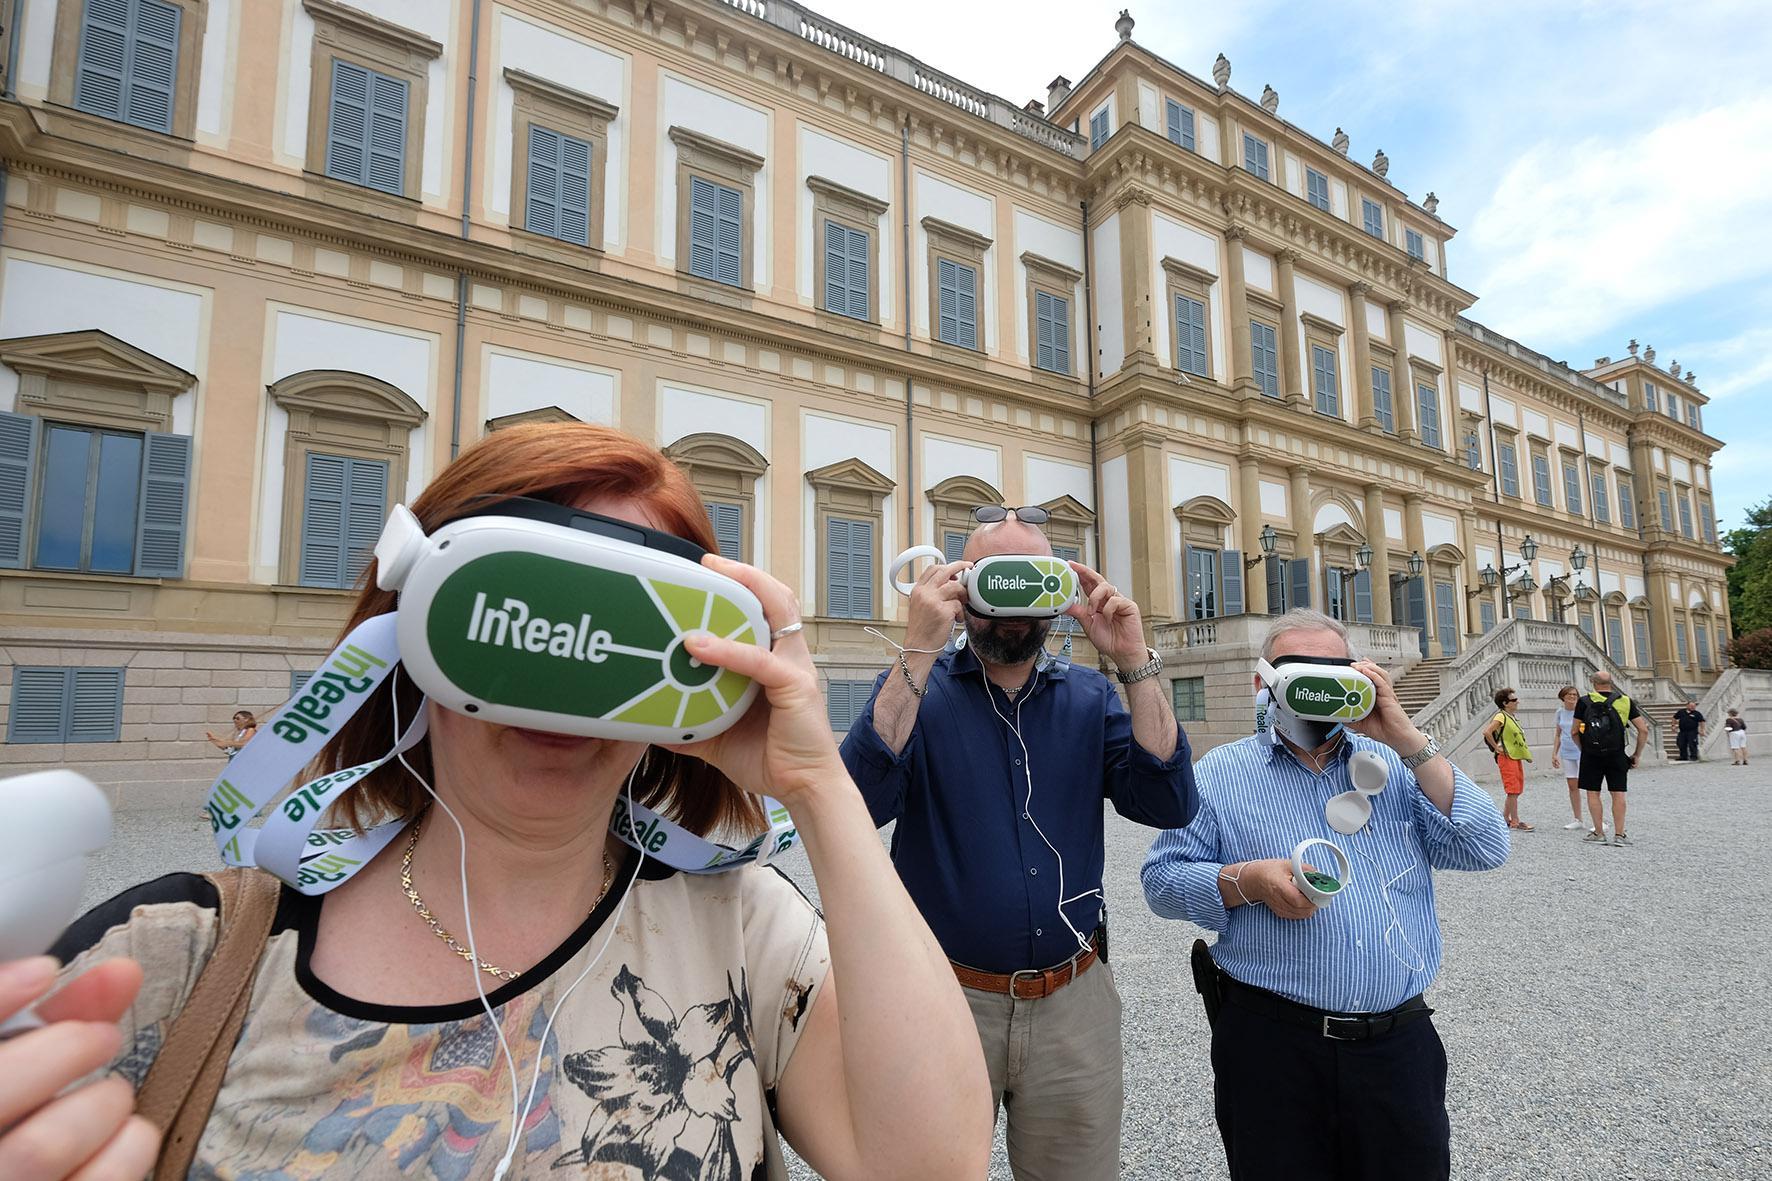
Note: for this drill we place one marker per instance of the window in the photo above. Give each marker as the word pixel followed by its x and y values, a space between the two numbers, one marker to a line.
pixel 847 224
pixel 716 207
pixel 1098 129
pixel 1427 403
pixel 90 482
pixel 1571 486
pixel 1709 516
pixel 1188 697
pixel 1541 480
pixel 1673 405
pixel 1523 607
pixel 845 700
pixel 1323 375
pixel 1680 650
pixel 559 143
pixel 1178 122
pixel 957 304
pixel 1413 244
pixel 133 61
pixel 1509 463
pixel 956 261
pixel 724 471
pixel 1052 332
pixel 1615 635
pixel 1584 619
pixel 1372 217
pixel 849 568
pixel 1701 634
pixel 1316 189
pixel 1382 408
pixel 1685 503
pixel 1649 396
pixel 1639 637
pixel 1202 583
pixel 1265 358
pixel 1190 335
pixel 728 522
pixel 1335 588
pixel 1473 451
pixel 1602 502
pixel 65 705
pixel 298 680
pixel 366 107
pixel 953 545
pixel 1692 414
pixel 1666 501
pixel 1486 616
pixel 1288 584
pixel 1627 504
pixel 344 506
pixel 1255 156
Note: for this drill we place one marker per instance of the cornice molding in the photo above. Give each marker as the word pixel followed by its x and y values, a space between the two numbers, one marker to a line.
pixel 594 108
pixel 339 15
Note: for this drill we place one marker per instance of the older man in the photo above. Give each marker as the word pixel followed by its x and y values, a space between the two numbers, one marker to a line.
pixel 1602 719
pixel 1326 1062
pixel 994 760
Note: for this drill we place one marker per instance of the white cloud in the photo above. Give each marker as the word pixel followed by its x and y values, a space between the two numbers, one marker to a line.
pixel 1579 236
pixel 1744 362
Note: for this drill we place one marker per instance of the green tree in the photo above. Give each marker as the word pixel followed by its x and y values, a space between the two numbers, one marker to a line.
pixel 1750 579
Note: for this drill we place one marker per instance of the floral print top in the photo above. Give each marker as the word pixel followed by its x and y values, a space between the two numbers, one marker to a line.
pixel 661 1064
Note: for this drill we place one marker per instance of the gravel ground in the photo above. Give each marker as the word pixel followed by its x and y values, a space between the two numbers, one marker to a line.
pixel 1607 1012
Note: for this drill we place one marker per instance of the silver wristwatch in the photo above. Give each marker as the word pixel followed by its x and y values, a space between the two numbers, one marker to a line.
pixel 1424 754
pixel 1143 672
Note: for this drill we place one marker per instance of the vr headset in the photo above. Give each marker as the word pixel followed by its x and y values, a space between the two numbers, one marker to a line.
pixel 1311 697
pixel 1004 586
pixel 528 613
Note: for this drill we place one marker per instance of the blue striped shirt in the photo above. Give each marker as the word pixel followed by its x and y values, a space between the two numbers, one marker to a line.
pixel 1257 801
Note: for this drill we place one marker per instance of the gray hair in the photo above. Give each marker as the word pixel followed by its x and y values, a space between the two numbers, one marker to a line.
pixel 1303 619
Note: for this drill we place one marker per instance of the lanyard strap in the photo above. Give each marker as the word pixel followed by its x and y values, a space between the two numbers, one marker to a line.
pixel 292 845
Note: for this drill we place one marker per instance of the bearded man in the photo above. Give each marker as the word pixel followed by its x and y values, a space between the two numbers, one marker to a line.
pixel 994 759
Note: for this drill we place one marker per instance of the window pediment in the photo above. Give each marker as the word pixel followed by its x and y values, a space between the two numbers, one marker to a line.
pixel 94 355
pixel 968 492
pixel 1068 510
pixel 338 392
pixel 711 450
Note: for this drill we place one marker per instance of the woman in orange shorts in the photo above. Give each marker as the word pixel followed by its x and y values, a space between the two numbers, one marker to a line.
pixel 1505 737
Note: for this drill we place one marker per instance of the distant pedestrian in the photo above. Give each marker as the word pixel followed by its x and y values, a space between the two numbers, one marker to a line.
pixel 1566 755
pixel 245 726
pixel 1691 729
pixel 1601 719
pixel 1508 741
pixel 1737 728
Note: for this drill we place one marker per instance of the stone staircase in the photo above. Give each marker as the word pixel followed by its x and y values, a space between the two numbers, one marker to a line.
pixel 1662 715
pixel 1421 685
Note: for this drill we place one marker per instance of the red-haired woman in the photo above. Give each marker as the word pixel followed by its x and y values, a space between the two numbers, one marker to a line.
pixel 713 1015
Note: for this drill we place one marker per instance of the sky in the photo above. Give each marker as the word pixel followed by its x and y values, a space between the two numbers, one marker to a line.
pixel 1607 163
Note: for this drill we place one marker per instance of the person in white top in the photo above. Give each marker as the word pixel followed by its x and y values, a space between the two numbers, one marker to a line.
pixel 1567 753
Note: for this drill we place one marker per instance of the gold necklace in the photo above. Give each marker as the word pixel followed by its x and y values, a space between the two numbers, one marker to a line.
pixel 437 929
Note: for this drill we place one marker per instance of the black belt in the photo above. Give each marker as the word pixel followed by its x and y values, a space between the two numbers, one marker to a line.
pixel 1340 1027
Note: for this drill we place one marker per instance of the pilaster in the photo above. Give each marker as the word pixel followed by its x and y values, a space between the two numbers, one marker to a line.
pixel 1292 384
pixel 1242 375
pixel 1381 554
pixel 1152 585
pixel 1249 533
pixel 1402 385
pixel 1362 383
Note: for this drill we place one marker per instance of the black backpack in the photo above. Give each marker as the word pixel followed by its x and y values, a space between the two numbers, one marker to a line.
pixel 1602 730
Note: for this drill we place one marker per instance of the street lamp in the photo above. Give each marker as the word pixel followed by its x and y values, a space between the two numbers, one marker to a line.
pixel 1523 585
pixel 1269 540
pixel 1363 555
pixel 1487 578
pixel 1416 564
pixel 1578 557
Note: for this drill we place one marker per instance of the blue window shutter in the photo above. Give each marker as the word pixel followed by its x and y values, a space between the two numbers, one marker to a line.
pixel 856 288
pixel 347 129
pixel 836 268
pixel 541 211
pixel 39 710
pixel 861 570
pixel 366 510
pixel 95 704
pixel 728 522
pixel 575 190
pixel 1363 596
pixel 947 302
pixel 1301 582
pixel 1275 570
pixel 160 524
pixel 1061 334
pixel 18 461
pixel 1265 358
pixel 731 237
pixel 386 144
pixel 153 65
pixel 1323 375
pixel 1486 615
pixel 953 545
pixel 101 70
pixel 1179 124
pixel 1427 398
pixel 966 305
pixel 704 220
pixel 1190 336
pixel 1382 407
pixel 836 559
pixel 1232 603
pixel 323 521
pixel 1415 596
pixel 1627 509
pixel 1615 638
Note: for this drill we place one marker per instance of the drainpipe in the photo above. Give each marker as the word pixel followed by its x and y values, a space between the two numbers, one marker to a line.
pixel 1495 462
pixel 910 444
pixel 1089 359
pixel 467 204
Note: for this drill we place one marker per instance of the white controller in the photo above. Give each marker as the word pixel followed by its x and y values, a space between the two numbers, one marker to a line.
pixel 54 821
pixel 1321 888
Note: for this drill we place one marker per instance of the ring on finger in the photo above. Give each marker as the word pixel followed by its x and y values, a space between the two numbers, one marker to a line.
pixel 782 633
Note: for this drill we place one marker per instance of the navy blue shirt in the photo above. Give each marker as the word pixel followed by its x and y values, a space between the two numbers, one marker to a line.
pixel 966 844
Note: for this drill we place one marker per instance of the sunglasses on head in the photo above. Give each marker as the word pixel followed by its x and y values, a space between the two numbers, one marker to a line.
pixel 1030 514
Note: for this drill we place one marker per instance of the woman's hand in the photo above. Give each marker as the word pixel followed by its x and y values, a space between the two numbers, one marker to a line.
pixel 88 1133
pixel 1556 760
pixel 784 744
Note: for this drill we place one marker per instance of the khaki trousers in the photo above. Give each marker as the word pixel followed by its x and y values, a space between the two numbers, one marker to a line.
pixel 1055 1067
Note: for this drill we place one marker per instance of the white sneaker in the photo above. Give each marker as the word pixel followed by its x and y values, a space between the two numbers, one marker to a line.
pixel 1573 825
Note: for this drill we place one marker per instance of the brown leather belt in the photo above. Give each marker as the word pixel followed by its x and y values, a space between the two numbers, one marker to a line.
pixel 1030 984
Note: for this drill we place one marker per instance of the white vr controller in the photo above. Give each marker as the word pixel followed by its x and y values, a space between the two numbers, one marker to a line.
pixel 1321 888
pixel 55 820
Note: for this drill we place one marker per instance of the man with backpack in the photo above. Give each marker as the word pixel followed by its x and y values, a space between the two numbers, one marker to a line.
pixel 1601 719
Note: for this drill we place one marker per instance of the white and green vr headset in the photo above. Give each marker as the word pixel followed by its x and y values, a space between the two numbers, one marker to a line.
pixel 1004 586
pixel 523 613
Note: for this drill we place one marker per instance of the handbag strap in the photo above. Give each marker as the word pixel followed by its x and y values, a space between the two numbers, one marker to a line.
pixel 180 1088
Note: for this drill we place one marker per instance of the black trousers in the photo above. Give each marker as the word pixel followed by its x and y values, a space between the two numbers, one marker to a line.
pixel 1688 744
pixel 1293 1105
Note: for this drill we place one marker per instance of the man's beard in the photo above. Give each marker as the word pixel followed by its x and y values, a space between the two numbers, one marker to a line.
pixel 1004 641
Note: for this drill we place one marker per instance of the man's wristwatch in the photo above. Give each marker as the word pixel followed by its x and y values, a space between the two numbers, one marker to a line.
pixel 1424 754
pixel 1143 672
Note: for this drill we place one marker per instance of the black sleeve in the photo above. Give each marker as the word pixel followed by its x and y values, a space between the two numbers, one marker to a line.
pixel 89 928
pixel 1635 713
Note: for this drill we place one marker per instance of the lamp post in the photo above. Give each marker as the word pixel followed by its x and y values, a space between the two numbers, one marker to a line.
pixel 1270 541
pixel 1528 551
